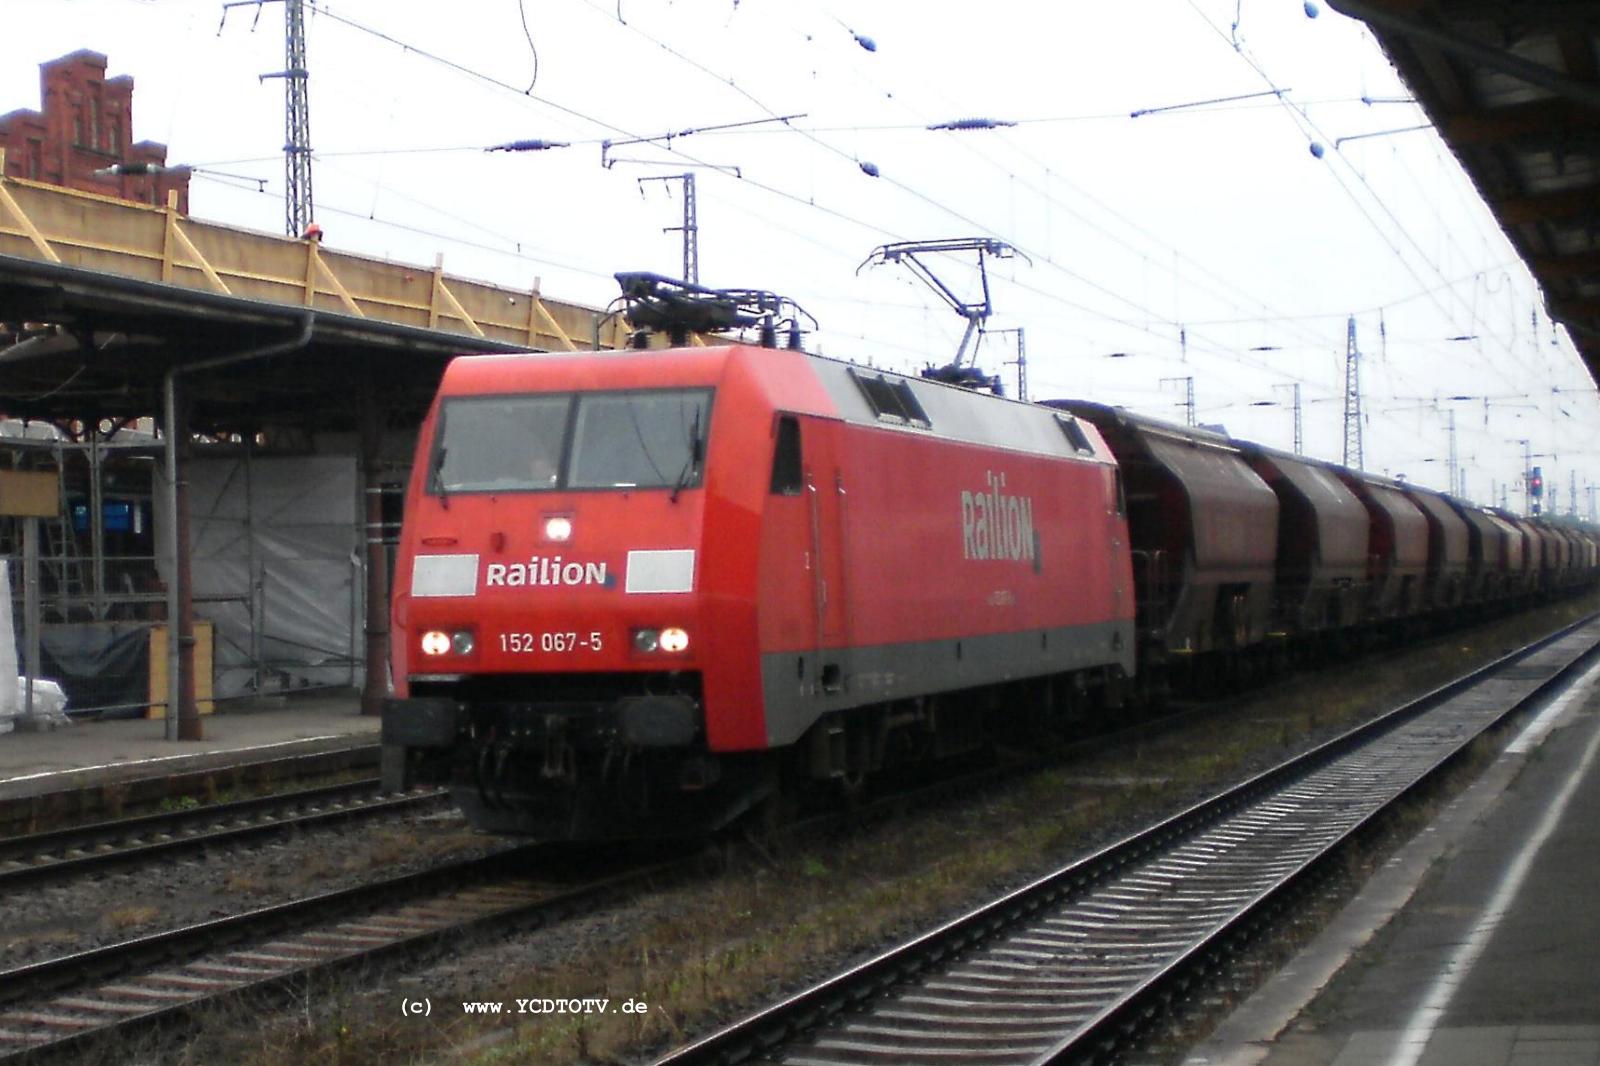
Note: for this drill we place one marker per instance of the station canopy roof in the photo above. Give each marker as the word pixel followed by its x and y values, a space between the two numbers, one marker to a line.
pixel 87 346
pixel 100 298
pixel 1513 86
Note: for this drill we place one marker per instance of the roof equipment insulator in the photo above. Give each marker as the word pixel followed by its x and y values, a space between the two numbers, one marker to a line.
pixel 532 144
pixel 677 308
pixel 968 377
pixel 972 124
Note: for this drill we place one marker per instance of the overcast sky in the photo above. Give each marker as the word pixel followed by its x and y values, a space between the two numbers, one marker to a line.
pixel 1204 241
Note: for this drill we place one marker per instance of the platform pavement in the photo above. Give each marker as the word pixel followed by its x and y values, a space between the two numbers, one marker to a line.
pixel 90 753
pixel 1478 944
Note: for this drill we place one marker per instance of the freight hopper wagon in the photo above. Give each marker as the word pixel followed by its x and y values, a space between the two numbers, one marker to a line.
pixel 1321 583
pixel 1204 532
pixel 638 592
pixel 1397 548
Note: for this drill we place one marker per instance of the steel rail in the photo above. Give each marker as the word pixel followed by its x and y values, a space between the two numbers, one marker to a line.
pixel 1122 1019
pixel 226 957
pixel 225 966
pixel 280 946
pixel 779 1032
pixel 76 850
pixel 50 975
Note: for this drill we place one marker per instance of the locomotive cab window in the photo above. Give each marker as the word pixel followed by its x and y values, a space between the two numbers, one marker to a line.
pixel 788 476
pixel 892 401
pixel 499 444
pixel 652 439
pixel 639 439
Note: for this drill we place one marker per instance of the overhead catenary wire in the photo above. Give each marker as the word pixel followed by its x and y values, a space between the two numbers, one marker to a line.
pixel 843 216
pixel 810 203
pixel 1076 276
pixel 851 217
pixel 1316 136
pixel 1204 275
pixel 511 248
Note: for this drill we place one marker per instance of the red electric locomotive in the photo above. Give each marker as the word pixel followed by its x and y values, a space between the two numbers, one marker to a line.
pixel 636 589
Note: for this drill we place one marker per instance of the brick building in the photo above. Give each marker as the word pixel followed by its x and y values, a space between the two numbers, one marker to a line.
pixel 85 125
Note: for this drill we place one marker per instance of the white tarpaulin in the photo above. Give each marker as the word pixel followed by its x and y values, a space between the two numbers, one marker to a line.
pixel 277 566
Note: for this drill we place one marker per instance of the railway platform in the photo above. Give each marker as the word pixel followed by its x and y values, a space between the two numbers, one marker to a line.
pixel 90 766
pixel 1475 944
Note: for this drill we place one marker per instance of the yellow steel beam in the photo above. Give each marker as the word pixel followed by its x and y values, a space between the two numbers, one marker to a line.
pixel 97 232
pixel 315 267
pixel 441 291
pixel 28 228
pixel 536 308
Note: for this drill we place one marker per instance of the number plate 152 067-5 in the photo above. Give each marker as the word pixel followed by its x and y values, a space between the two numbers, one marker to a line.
pixel 530 643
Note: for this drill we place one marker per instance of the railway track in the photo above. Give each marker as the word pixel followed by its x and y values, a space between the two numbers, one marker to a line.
pixel 1072 967
pixel 74 851
pixel 60 1007
pixel 57 1008
pixel 65 1006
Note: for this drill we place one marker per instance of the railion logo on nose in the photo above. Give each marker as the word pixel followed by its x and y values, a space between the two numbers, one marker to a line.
pixel 545 570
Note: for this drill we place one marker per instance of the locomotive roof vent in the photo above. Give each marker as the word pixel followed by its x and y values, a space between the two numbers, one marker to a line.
pixel 658 304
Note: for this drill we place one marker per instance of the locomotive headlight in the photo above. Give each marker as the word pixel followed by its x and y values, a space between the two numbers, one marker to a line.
pixel 439 642
pixel 557 527
pixel 669 641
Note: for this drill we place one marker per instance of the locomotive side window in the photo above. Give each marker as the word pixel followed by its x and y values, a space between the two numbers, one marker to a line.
pixel 499 443
pixel 892 400
pixel 787 472
pixel 625 440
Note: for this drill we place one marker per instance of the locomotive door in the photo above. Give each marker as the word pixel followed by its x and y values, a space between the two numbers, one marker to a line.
pixel 1118 523
pixel 802 595
pixel 828 505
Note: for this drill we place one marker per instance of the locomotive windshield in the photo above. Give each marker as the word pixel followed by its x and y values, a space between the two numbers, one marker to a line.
pixel 592 440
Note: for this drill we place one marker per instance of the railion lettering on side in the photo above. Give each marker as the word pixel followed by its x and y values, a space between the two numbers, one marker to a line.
pixel 996 525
